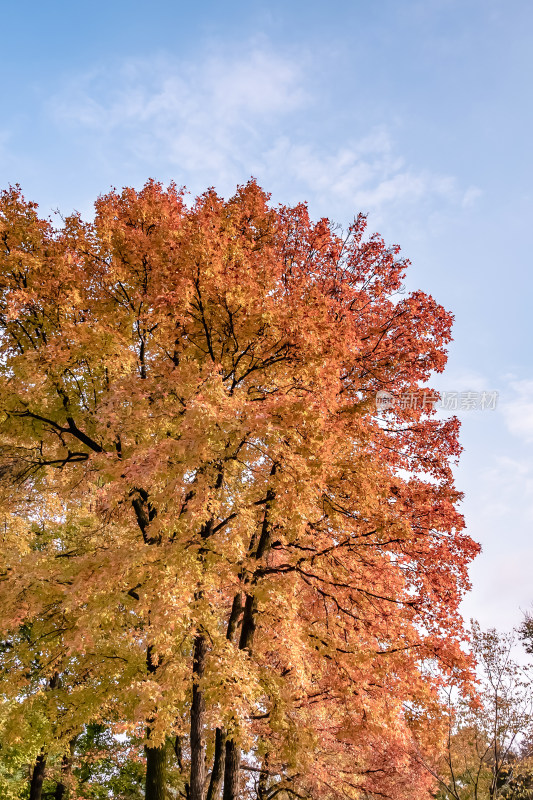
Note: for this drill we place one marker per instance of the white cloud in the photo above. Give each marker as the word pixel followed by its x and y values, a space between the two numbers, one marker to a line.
pixel 507 479
pixel 518 411
pixel 205 120
pixel 461 380
pixel 223 90
pixel 499 514
pixel 470 197
pixel 367 173
pixel 225 117
pixel 501 584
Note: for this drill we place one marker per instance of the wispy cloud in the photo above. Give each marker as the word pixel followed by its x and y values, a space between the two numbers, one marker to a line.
pixel 205 118
pixel 518 410
pixel 471 196
pixel 221 90
pixel 367 173
pixel 225 117
pixel 499 514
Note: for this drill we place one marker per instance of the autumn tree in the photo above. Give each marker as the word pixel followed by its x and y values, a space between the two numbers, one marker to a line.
pixel 216 537
pixel 486 752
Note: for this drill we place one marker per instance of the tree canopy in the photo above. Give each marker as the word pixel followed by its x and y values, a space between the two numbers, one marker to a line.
pixel 212 535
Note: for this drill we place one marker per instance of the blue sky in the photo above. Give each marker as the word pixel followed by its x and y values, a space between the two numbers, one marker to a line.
pixel 418 112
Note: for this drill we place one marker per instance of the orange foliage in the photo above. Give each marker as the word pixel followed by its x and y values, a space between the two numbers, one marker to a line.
pixel 188 416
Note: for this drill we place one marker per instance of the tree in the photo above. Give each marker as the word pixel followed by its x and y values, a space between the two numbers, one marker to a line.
pixel 484 757
pixel 219 536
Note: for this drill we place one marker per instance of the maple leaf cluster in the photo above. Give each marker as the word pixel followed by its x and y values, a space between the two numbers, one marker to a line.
pixel 211 532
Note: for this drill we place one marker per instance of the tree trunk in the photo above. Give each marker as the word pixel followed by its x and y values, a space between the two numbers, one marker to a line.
pixel 197 719
pixel 248 623
pixel 217 773
pixel 66 769
pixel 236 611
pixel 233 752
pixel 156 773
pixel 156 757
pixel 37 778
pixel 231 770
pixel 60 791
